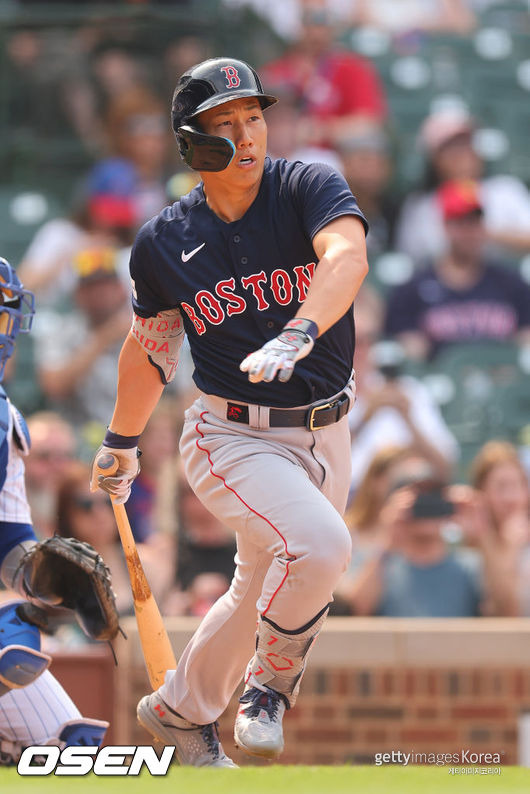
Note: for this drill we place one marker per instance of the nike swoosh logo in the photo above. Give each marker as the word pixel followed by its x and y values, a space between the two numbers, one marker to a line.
pixel 186 256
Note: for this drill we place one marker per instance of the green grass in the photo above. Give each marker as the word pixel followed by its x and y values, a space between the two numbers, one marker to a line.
pixel 280 779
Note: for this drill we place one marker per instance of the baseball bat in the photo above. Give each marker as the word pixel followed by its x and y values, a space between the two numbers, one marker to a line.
pixel 156 647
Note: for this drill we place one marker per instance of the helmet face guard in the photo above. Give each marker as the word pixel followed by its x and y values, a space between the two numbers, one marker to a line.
pixel 204 152
pixel 203 87
pixel 17 309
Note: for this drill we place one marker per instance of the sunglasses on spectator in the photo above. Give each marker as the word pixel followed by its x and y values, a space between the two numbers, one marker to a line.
pixel 88 503
pixel 51 454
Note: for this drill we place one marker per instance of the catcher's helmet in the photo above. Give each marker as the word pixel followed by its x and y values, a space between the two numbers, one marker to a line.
pixel 17 308
pixel 205 86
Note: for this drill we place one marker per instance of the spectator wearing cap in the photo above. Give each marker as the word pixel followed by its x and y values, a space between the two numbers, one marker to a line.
pixel 333 88
pixel 462 297
pixel 139 152
pixel 103 219
pixel 77 353
pixel 447 139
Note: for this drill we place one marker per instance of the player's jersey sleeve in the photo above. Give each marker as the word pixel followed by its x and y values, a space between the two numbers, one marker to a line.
pixel 322 195
pixel 147 289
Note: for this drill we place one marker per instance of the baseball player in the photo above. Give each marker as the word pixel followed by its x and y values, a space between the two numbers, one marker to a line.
pixel 34 708
pixel 259 265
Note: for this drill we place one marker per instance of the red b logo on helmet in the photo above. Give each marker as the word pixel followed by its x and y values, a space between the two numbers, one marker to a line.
pixel 232 77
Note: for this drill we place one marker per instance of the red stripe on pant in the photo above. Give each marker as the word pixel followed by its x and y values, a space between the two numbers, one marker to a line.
pixel 220 477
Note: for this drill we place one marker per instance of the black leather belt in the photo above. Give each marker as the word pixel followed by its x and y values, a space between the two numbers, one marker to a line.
pixel 314 417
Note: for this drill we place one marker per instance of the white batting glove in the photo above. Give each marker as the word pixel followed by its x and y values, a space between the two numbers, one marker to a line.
pixel 279 356
pixel 118 485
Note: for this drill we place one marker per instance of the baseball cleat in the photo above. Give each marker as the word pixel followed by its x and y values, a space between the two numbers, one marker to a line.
pixel 195 745
pixel 258 727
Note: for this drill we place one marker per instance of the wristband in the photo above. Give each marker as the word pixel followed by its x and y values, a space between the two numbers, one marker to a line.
pixel 116 441
pixel 306 326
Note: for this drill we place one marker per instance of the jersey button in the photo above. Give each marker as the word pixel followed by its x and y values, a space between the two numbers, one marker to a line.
pixel 270 324
pixel 244 260
pixel 237 238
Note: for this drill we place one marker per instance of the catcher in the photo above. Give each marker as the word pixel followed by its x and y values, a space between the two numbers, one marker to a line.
pixel 59 572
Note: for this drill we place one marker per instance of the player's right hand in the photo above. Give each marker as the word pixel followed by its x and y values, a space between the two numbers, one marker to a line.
pixel 279 355
pixel 118 485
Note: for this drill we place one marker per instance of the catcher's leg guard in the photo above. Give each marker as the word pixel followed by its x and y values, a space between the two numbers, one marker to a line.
pixel 80 733
pixel 73 733
pixel 21 660
pixel 280 658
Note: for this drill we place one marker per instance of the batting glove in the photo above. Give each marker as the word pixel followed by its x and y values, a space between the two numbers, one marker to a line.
pixel 279 356
pixel 118 485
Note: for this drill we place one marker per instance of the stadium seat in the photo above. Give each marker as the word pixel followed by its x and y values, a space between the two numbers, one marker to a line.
pixel 390 269
pixel 485 393
pixel 22 212
pixel 511 15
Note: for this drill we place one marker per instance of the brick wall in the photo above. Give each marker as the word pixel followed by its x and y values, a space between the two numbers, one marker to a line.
pixel 377 685
pixel 87 674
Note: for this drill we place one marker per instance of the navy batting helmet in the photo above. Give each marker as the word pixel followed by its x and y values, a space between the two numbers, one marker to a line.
pixel 205 86
pixel 17 307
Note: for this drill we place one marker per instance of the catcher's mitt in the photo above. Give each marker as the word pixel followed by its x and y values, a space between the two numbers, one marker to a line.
pixel 64 572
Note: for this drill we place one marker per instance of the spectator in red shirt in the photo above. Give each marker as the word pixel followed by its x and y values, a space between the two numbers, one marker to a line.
pixel 334 87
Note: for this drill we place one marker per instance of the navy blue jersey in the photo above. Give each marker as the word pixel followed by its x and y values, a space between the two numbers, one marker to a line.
pixel 237 284
pixel 495 307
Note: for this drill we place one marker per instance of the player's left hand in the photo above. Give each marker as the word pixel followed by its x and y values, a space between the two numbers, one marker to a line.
pixel 118 485
pixel 279 356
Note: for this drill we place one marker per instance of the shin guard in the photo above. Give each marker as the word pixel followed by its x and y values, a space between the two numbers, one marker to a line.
pixel 280 658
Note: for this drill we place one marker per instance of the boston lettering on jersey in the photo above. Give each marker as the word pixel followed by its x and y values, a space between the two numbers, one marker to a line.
pixel 237 284
pixel 226 302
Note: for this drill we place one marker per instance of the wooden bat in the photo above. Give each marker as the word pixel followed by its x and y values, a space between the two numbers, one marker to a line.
pixel 156 647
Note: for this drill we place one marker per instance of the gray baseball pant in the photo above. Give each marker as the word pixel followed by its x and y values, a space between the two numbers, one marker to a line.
pixel 283 491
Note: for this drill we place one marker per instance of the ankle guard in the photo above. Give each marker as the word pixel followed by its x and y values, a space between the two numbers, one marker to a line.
pixel 10 752
pixel 280 658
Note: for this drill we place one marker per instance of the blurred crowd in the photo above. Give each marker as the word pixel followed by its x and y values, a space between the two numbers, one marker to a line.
pixel 440 527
